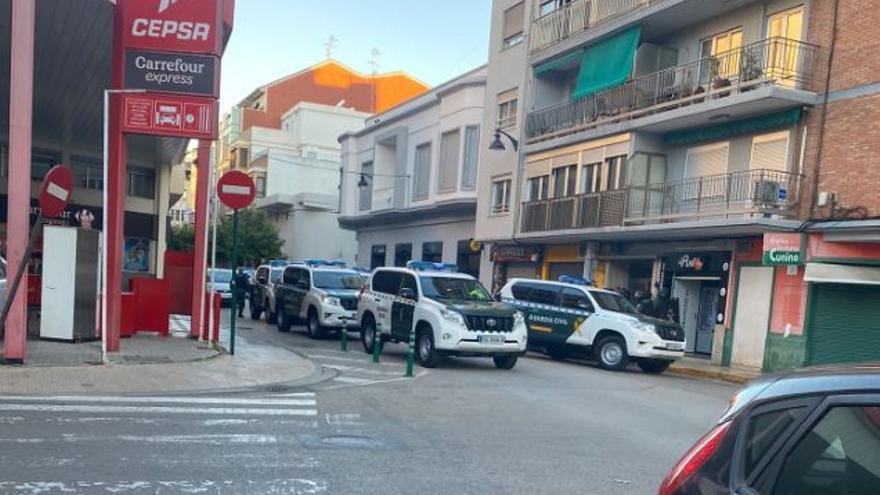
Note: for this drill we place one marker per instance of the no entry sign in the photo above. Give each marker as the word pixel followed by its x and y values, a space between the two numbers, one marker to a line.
pixel 236 189
pixel 56 191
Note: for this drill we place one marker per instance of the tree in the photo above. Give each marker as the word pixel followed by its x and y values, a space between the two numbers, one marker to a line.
pixel 258 239
pixel 181 238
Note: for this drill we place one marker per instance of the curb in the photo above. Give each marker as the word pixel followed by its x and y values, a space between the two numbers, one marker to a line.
pixel 734 377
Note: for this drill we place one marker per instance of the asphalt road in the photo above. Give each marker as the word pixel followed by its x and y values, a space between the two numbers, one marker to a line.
pixel 466 427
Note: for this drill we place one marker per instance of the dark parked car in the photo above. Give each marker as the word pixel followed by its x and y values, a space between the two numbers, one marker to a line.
pixel 814 431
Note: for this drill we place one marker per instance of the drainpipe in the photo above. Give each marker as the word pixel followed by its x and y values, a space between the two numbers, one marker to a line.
pixel 814 197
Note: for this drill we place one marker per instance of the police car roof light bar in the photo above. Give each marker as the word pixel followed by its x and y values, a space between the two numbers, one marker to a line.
pixel 429 266
pixel 319 262
pixel 572 279
pixel 278 263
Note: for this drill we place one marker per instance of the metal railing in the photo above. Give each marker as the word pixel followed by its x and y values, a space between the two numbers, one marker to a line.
pixel 577 16
pixel 743 194
pixel 776 60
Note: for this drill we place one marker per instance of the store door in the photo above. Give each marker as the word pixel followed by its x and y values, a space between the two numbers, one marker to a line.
pixel 688 294
pixel 752 315
pixel 845 324
pixel 706 319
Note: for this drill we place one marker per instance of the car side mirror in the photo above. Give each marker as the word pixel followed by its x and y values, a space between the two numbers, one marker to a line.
pixel 406 293
pixel 262 280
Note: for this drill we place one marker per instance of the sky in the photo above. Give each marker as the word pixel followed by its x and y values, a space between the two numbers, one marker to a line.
pixel 433 41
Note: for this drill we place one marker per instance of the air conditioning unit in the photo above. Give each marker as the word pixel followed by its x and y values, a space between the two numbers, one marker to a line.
pixel 768 193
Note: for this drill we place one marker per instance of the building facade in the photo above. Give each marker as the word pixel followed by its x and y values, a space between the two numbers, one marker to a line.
pixel 409 178
pixel 661 142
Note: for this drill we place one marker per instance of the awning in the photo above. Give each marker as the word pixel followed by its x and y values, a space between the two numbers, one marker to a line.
pixel 723 131
pixel 561 63
pixel 842 274
pixel 607 63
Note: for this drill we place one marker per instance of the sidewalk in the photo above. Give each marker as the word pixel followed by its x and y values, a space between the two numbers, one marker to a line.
pixel 703 368
pixel 150 364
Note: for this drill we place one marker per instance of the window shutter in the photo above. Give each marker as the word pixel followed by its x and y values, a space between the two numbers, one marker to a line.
pixel 514 20
pixel 471 157
pixel 770 153
pixel 710 160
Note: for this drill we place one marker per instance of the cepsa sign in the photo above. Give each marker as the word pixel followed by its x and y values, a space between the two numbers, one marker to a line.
pixel 190 26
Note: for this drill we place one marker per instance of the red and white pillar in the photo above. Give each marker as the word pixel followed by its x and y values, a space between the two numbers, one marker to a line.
pixel 200 249
pixel 18 217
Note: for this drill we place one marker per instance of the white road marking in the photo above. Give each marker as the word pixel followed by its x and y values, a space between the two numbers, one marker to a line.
pixel 355 360
pixel 360 382
pixel 367 371
pixel 295 394
pixel 344 419
pixel 290 486
pixel 211 439
pixel 215 411
pixel 160 400
pixel 351 379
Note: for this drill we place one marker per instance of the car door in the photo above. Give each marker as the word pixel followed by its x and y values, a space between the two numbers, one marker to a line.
pixel 261 282
pixel 403 309
pixel 576 309
pixel 835 451
pixel 385 285
pixel 300 291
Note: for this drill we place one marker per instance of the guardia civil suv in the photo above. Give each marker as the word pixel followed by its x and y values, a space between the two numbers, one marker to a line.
pixel 452 315
pixel 323 294
pixel 571 317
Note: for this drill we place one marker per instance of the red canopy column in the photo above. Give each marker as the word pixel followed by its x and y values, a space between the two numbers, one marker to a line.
pixel 203 184
pixel 18 217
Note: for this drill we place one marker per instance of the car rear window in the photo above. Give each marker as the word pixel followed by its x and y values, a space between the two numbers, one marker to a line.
pixel 764 430
pixel 536 293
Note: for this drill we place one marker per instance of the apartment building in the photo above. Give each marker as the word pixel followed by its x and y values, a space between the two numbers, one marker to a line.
pixel 284 135
pixel 670 143
pixel 409 178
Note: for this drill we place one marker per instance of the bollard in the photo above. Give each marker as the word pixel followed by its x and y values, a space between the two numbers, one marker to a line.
pixel 377 342
pixel 411 352
pixel 343 337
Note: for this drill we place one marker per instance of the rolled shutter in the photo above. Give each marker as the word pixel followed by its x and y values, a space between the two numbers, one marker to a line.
pixel 770 152
pixel 845 324
pixel 514 20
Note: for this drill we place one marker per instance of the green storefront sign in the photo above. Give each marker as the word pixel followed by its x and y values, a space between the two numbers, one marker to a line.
pixel 783 249
pixel 782 257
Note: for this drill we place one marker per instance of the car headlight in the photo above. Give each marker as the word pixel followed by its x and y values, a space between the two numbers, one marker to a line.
pixel 645 327
pixel 330 300
pixel 519 319
pixel 452 316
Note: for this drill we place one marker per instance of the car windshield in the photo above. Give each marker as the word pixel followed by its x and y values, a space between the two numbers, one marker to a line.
pixel 220 276
pixel 338 279
pixel 275 275
pixel 454 288
pixel 611 301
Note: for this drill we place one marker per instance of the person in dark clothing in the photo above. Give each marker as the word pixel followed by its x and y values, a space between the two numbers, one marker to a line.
pixel 241 287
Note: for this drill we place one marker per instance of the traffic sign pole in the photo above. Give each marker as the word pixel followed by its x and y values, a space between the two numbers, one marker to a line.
pixel 235 284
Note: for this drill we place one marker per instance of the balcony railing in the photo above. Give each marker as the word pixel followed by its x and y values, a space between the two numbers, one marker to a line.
pixel 742 194
pixel 577 16
pixel 776 60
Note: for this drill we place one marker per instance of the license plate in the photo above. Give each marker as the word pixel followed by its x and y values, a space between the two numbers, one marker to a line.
pixel 674 346
pixel 490 339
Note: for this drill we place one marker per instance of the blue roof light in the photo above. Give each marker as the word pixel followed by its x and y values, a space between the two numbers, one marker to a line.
pixel 428 266
pixel 319 262
pixel 278 263
pixel 572 279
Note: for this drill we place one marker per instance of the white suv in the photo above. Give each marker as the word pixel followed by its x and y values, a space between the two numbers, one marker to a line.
pixel 321 293
pixel 568 317
pixel 452 314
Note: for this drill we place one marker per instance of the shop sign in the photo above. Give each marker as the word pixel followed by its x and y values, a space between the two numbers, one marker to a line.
pixel 172 72
pixel 783 249
pixel 513 254
pixel 697 263
pixel 189 26
pixel 170 115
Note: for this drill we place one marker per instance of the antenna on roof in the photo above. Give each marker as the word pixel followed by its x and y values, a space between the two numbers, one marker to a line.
pixel 330 45
pixel 374 65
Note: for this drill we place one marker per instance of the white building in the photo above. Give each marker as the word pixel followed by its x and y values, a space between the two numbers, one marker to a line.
pixel 296 170
pixel 409 178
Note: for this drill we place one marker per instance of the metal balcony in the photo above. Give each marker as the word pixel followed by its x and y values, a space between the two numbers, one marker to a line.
pixel 577 16
pixel 742 194
pixel 773 61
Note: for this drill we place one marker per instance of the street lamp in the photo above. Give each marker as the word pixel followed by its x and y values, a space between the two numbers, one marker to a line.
pixel 498 145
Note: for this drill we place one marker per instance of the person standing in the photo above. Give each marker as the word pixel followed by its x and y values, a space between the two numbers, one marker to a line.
pixel 241 285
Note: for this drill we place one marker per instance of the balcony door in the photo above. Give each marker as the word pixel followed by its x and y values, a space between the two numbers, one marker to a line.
pixel 720 56
pixel 564 181
pixel 706 178
pixel 784 31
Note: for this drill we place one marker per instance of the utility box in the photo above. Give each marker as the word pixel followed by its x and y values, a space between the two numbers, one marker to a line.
pixel 70 284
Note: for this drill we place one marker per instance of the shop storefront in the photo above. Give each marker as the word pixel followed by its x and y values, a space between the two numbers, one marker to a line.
pixel 513 261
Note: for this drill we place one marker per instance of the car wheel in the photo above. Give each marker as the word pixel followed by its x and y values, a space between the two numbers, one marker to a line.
pixel 271 316
pixel 256 311
pixel 368 335
pixel 611 353
pixel 654 366
pixel 425 350
pixel 505 362
pixel 313 325
pixel 283 320
pixel 557 352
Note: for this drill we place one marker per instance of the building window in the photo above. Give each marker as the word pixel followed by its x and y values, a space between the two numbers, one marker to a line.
pixel 590 177
pixel 365 201
pixel 432 251
pixel 89 172
pixel 549 6
pixel 450 150
pixel 538 187
pixel 242 156
pixel 507 108
pixel 402 254
pixel 722 52
pixel 260 184
pixel 564 181
pixel 377 256
pixel 514 20
pixel 501 196
pixel 615 173
pixel 471 157
pixel 770 152
pixel 142 183
pixel 422 175
pixel 41 162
